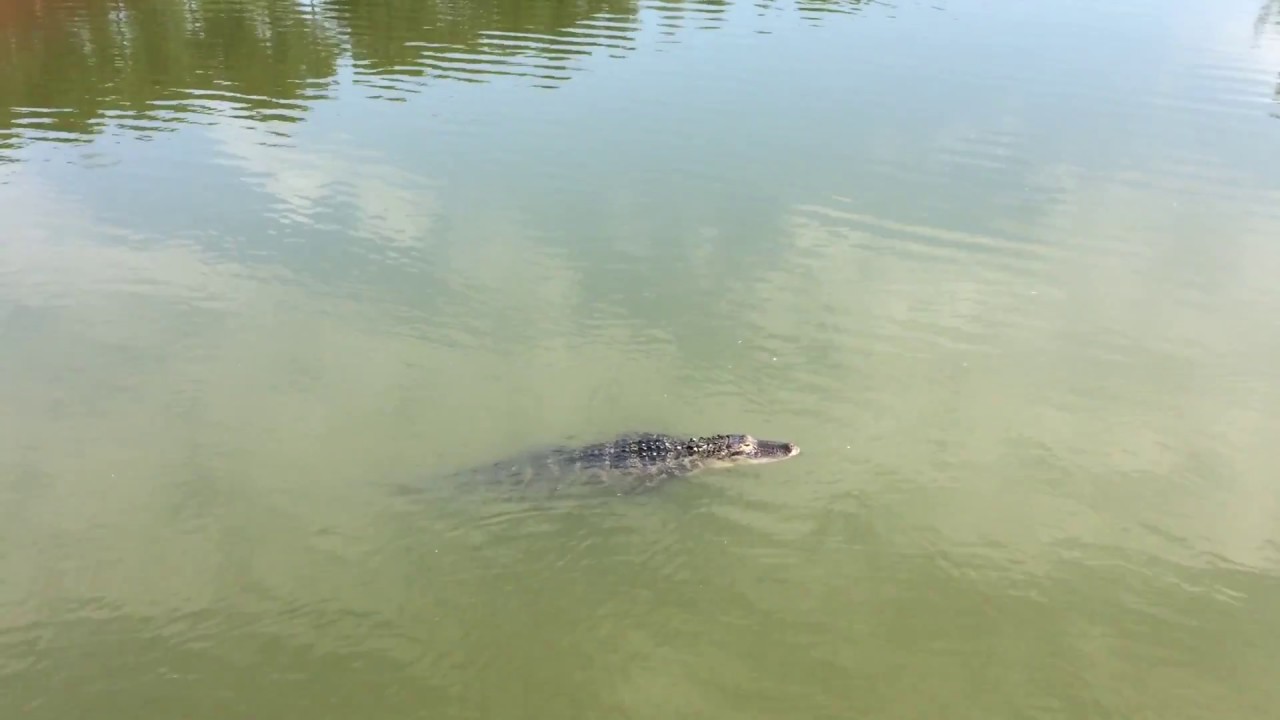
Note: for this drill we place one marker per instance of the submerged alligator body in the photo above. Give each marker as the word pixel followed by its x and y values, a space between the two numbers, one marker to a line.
pixel 634 462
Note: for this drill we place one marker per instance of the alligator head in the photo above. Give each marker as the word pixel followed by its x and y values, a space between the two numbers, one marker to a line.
pixel 739 450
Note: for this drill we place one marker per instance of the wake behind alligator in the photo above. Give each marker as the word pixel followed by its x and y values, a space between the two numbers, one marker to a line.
pixel 628 464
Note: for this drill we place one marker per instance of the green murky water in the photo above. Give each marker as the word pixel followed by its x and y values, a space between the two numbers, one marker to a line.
pixel 1007 272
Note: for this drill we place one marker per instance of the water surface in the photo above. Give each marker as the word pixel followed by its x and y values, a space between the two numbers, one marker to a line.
pixel 1005 272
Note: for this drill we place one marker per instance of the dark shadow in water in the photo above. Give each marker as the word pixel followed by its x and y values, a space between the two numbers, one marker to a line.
pixel 397 45
pixel 70 69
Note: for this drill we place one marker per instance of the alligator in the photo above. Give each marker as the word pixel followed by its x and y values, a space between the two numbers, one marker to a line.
pixel 632 463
